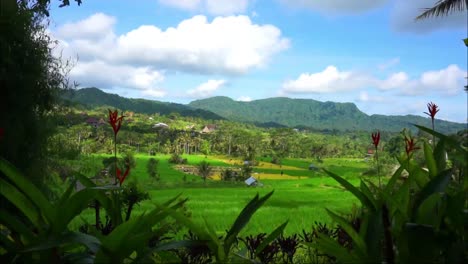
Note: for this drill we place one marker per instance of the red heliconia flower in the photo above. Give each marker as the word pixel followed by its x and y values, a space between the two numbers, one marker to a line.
pixel 376 138
pixel 122 177
pixel 410 145
pixel 2 132
pixel 433 109
pixel 115 121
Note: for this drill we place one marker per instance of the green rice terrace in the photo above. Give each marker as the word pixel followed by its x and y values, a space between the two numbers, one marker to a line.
pixel 301 195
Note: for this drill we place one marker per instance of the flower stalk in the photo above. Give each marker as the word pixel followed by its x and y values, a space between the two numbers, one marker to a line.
pixel 375 142
pixel 432 110
pixel 115 121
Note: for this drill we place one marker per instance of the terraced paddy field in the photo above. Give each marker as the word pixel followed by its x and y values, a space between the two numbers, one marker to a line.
pixel 300 195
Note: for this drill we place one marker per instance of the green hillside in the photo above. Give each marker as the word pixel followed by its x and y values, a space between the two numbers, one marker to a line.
pixel 314 114
pixel 93 97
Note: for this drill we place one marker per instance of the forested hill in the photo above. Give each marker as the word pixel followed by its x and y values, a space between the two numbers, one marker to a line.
pixel 314 114
pixel 93 97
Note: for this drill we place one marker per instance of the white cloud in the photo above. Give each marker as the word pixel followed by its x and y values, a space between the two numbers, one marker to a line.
pixel 395 81
pixel 206 89
pixel 214 7
pixel 366 97
pixel 404 13
pixel 389 64
pixel 91 28
pixel 244 99
pixel 226 45
pixel 157 93
pixel 328 81
pixel 104 75
pixel 448 81
pixel 337 6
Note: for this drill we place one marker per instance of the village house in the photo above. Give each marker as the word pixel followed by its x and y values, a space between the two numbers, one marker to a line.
pixel 160 125
pixel 209 128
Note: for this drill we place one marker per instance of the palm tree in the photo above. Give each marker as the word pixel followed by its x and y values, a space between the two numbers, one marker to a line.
pixel 204 169
pixel 443 8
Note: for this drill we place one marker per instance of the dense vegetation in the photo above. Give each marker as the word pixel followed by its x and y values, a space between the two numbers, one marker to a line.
pixel 93 97
pixel 314 114
pixel 319 198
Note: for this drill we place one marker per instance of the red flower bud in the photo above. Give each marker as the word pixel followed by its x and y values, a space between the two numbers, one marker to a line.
pixel 376 139
pixel 115 121
pixel 432 109
pixel 410 145
pixel 122 177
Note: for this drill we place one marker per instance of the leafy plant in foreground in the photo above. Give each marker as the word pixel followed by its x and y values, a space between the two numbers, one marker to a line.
pixel 421 219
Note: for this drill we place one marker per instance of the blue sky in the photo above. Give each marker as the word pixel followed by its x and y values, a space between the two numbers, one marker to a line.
pixel 369 52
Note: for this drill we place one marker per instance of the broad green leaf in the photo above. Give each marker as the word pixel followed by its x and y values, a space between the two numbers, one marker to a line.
pixel 448 140
pixel 91 242
pixel 331 247
pixel 368 193
pixel 466 41
pixel 67 193
pixel 16 225
pixel 113 247
pixel 440 155
pixel 72 207
pixel 21 202
pixel 438 184
pixel 271 237
pixel 84 180
pixel 428 213
pixel 358 241
pixel 26 187
pixel 199 231
pixel 243 219
pixel 391 183
pixel 7 244
pixel 422 243
pixel 371 230
pixel 355 191
pixel 430 161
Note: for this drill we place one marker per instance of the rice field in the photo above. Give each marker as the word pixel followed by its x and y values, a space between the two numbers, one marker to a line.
pixel 300 196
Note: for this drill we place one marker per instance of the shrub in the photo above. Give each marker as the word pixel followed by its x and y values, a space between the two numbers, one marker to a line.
pixel 152 168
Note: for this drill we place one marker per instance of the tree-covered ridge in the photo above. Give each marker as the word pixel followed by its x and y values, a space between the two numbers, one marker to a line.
pixel 93 97
pixel 314 114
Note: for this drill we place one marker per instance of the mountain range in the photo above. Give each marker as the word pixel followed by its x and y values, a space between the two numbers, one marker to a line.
pixel 271 112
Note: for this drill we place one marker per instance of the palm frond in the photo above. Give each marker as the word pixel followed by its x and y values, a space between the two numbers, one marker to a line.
pixel 443 8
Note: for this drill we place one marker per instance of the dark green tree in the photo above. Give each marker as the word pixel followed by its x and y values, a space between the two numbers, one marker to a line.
pixel 30 79
pixel 152 168
pixel 204 170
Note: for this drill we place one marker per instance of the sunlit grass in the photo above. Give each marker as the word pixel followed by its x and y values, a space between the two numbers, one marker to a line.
pixel 301 196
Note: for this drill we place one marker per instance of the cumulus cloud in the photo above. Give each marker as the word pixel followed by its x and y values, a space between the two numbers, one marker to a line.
pixel 404 13
pixel 226 45
pixel 214 7
pixel 156 93
pixel 244 99
pixel 366 97
pixel 327 81
pixel 337 6
pixel 396 80
pixel 91 28
pixel 104 75
pixel 448 81
pixel 206 89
